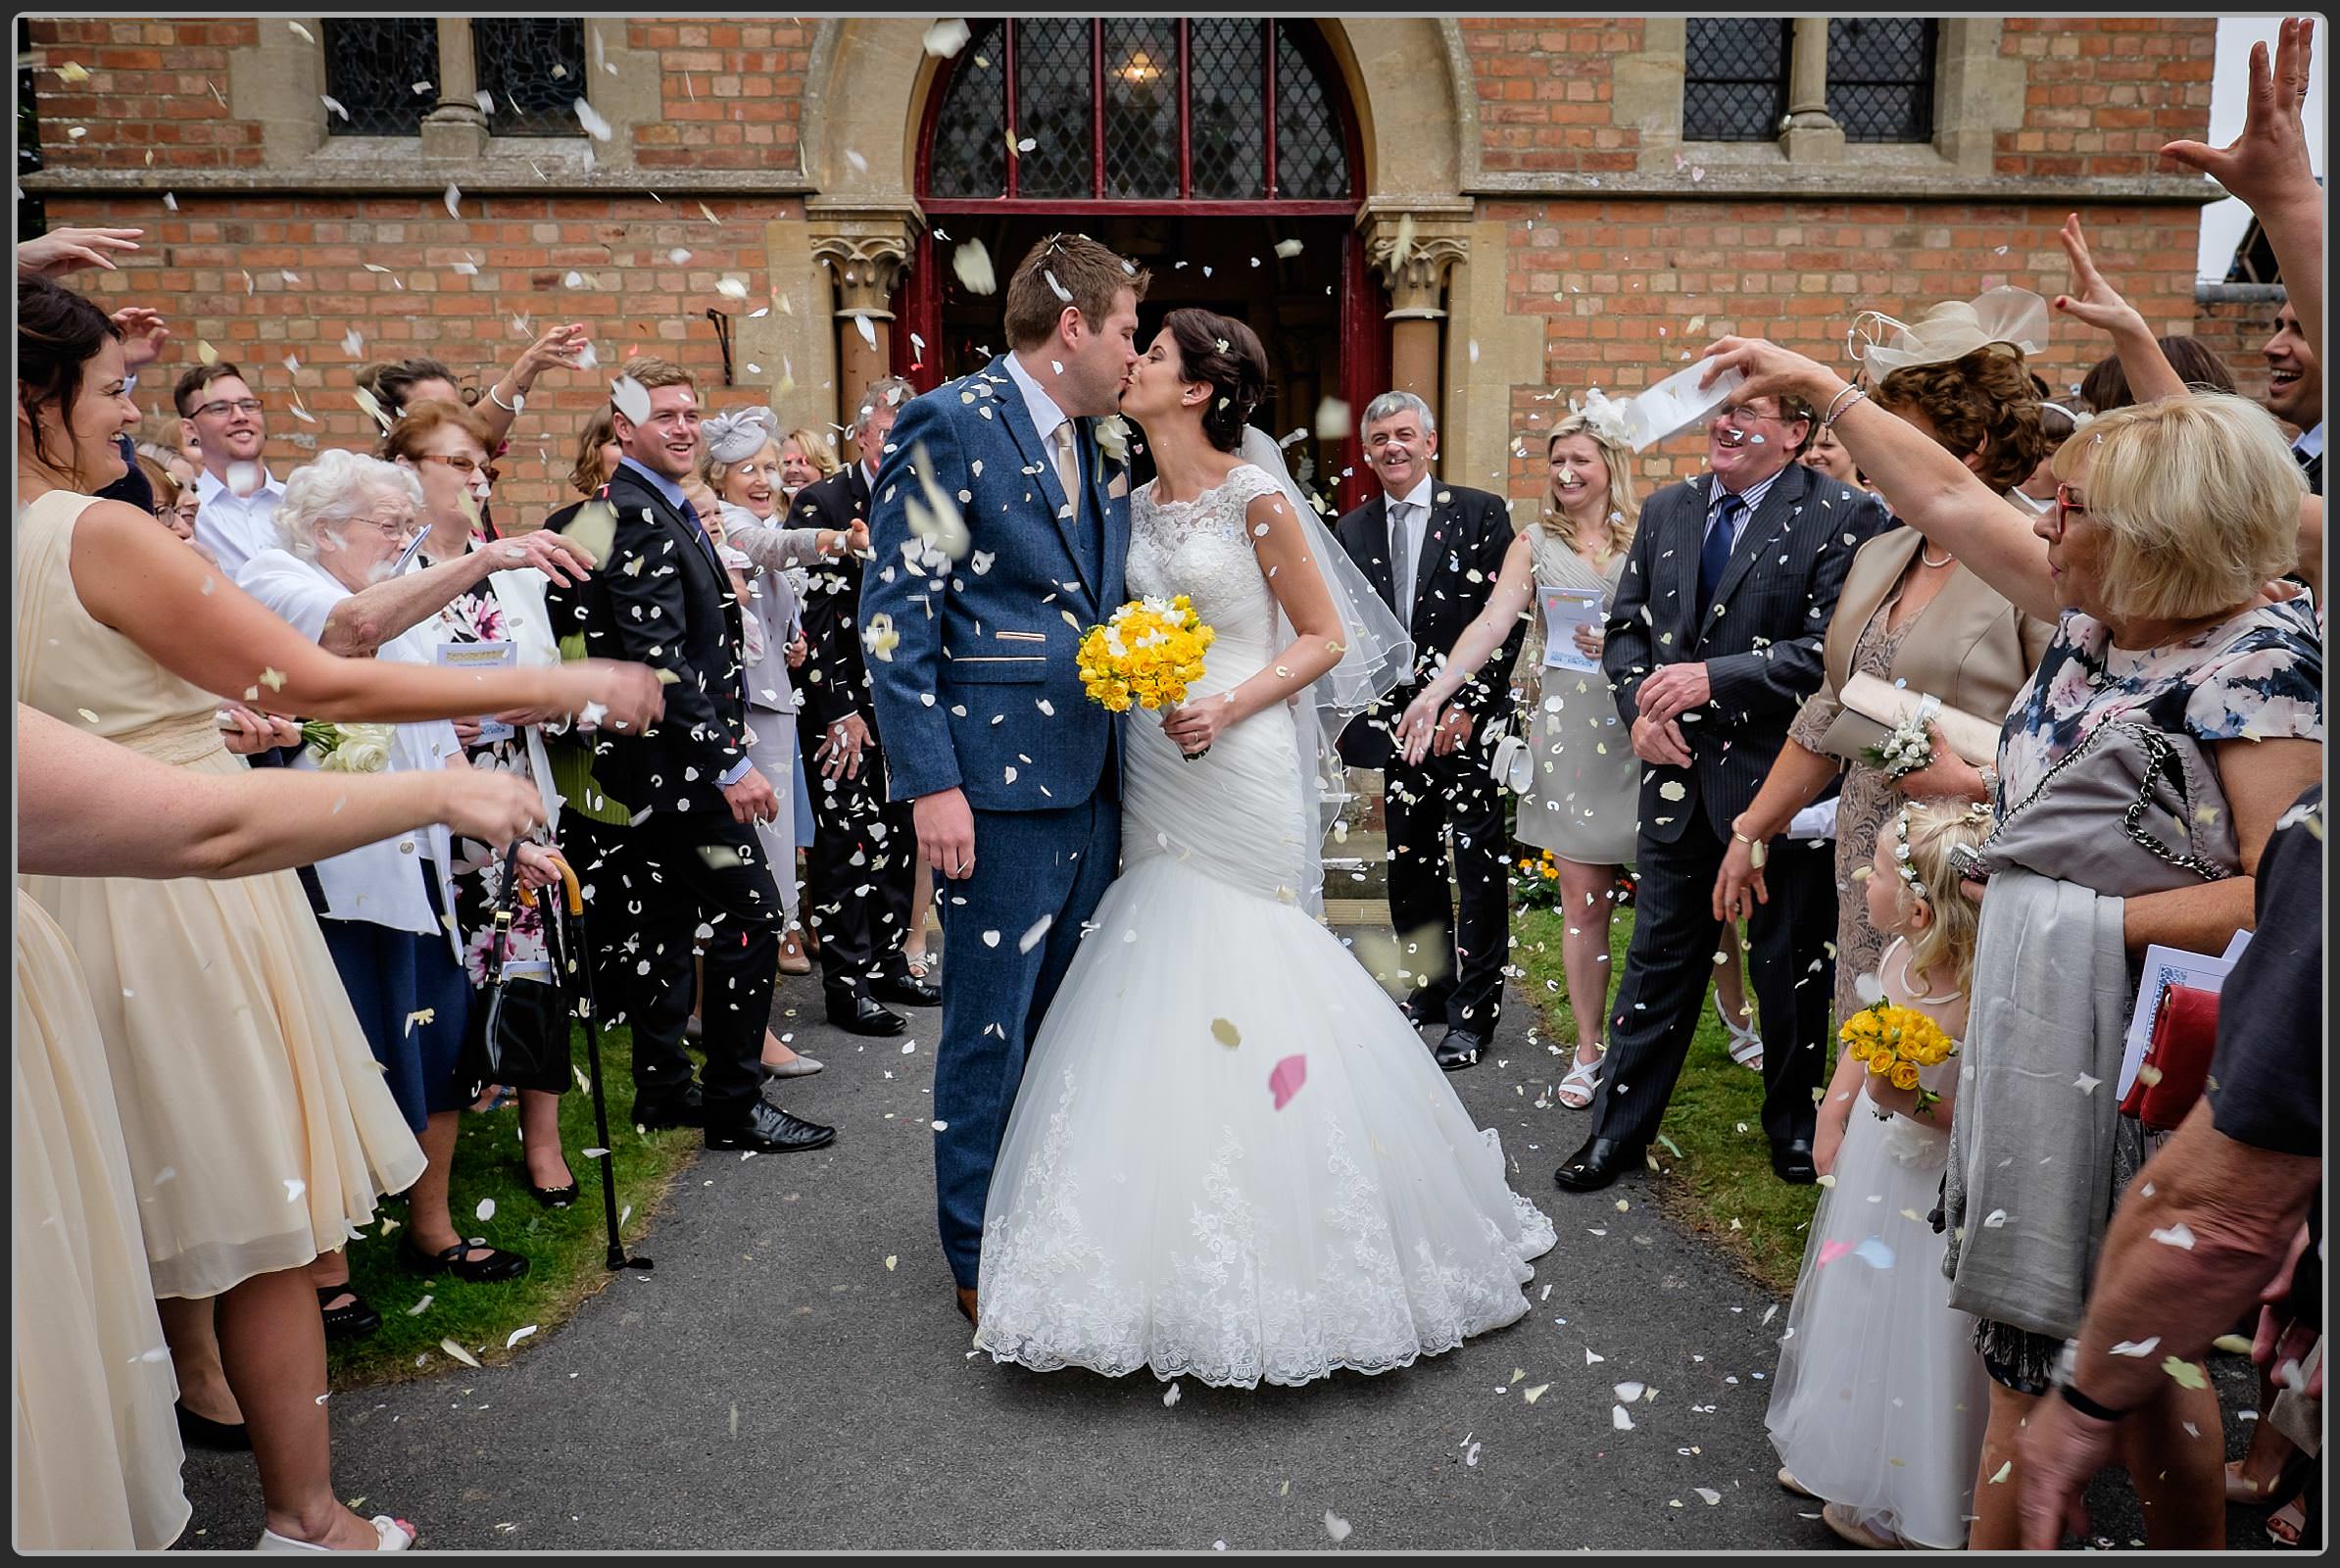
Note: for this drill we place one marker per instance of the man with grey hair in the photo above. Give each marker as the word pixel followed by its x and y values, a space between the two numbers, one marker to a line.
pixel 859 872
pixel 1434 551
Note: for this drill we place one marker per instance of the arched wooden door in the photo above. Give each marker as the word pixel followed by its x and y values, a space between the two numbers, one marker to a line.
pixel 1218 151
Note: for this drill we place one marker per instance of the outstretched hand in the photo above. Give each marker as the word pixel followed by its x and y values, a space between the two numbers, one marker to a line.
pixel 2269 162
pixel 2098 304
pixel 70 250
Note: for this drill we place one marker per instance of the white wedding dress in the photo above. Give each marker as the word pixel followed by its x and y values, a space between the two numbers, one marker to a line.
pixel 1152 1205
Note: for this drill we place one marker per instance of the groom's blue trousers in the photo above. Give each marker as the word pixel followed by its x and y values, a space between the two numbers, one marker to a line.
pixel 1029 865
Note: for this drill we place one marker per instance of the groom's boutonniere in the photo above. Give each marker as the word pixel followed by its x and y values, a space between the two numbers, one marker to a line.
pixel 1113 439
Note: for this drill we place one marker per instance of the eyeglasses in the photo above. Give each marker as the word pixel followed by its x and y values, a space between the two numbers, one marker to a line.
pixel 404 528
pixel 2066 507
pixel 465 465
pixel 221 409
pixel 1741 414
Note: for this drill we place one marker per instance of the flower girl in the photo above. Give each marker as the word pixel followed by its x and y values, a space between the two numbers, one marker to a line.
pixel 1879 1401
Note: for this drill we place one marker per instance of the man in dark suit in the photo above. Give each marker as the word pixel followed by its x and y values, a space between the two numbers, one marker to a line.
pixel 692 858
pixel 859 872
pixel 2295 392
pixel 1434 551
pixel 1714 643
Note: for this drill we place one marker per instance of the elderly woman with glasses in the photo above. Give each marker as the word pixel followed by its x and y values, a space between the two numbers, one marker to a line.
pixel 346 522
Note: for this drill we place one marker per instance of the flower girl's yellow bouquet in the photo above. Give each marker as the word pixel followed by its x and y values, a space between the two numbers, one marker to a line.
pixel 1896 1041
pixel 1147 654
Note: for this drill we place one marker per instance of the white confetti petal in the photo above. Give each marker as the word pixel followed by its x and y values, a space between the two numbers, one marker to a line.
pixel 2177 1236
pixel 1336 1526
pixel 486 1209
pixel 1618 1419
pixel 459 1352
pixel 2137 1347
pixel 518 1334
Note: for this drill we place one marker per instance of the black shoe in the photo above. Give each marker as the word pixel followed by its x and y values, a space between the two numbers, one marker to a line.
pixel 862 1014
pixel 656 1112
pixel 1792 1161
pixel 1423 1012
pixel 352 1322
pixel 230 1436
pixel 495 1268
pixel 903 991
pixel 555 1197
pixel 771 1131
pixel 1461 1049
pixel 1595 1165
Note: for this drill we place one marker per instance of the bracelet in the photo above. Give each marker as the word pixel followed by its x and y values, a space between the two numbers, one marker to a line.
pixel 513 407
pixel 2085 1405
pixel 1840 403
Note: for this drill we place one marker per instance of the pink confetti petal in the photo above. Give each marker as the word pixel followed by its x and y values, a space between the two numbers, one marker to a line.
pixel 1284 1082
pixel 1829 1251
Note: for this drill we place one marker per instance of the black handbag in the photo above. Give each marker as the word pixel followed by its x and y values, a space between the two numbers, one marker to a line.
pixel 524 1038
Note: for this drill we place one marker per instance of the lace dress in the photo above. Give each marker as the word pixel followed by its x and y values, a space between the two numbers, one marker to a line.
pixel 1231 1158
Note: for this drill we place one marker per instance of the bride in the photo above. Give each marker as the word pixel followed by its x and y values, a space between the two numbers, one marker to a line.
pixel 1231 1157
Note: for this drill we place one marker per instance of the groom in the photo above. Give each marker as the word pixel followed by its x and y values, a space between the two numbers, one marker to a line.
pixel 1014 771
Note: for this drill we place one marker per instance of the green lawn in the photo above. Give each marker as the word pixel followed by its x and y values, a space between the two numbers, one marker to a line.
pixel 1718 1177
pixel 566 1248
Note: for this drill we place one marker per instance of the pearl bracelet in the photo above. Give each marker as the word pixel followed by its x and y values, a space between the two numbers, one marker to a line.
pixel 1838 404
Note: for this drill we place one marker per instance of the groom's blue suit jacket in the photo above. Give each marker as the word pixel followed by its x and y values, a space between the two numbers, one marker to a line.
pixel 983 691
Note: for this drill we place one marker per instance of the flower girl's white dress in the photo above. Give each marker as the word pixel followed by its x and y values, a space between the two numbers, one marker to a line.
pixel 1164 1196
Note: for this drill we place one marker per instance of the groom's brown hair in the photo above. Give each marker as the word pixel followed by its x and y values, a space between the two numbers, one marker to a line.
pixel 1066 269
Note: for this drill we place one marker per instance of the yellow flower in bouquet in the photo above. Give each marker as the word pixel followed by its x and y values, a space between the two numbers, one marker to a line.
pixel 1896 1041
pixel 1146 655
pixel 1904 1075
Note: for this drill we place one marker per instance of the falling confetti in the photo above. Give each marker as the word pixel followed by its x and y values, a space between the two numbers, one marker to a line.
pixel 1225 1032
pixel 1170 1397
pixel 454 199
pixel 945 38
pixel 2177 1236
pixel 2140 1347
pixel 973 265
pixel 595 126
pixel 1288 248
pixel 1286 1079
pixel 631 399
pixel 2184 1373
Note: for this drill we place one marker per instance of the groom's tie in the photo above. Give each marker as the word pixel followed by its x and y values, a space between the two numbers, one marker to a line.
pixel 1068 466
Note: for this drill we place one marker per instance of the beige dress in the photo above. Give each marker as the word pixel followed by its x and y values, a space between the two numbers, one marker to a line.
pixel 97 1443
pixel 1584 804
pixel 258 1125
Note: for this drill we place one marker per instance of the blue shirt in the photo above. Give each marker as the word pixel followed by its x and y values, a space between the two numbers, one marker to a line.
pixel 675 498
pixel 1752 495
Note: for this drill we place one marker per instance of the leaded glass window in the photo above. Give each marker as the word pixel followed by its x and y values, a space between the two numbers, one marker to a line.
pixel 1055 94
pixel 970 149
pixel 373 67
pixel 1226 86
pixel 1311 151
pixel 1880 77
pixel 1141 108
pixel 532 69
pixel 1734 78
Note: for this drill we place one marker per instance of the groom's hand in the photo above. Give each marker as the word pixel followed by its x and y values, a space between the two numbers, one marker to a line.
pixel 945 827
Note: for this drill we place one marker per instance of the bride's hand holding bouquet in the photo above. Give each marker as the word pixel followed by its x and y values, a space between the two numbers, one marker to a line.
pixel 1146 656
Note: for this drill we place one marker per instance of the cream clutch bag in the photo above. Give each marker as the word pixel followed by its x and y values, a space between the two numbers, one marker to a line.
pixel 1873 709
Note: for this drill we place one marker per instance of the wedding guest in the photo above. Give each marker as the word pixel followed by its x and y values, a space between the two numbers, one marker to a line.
pixel 97 1459
pixel 2059 421
pixel 398 384
pixel 2295 392
pixel 175 506
pixel 1714 643
pixel 435 441
pixel 859 876
pixel 1879 1401
pixel 391 916
pixel 1827 455
pixel 1580 802
pixel 1434 551
pixel 1912 616
pixel 281 1108
pixel 239 496
pixel 2105 385
pixel 808 457
pixel 2179 659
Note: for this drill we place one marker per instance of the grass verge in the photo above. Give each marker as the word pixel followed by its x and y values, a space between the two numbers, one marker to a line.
pixel 1719 1170
pixel 566 1248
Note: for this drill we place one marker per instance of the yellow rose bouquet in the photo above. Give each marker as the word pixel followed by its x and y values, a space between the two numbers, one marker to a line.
pixel 1146 656
pixel 1896 1043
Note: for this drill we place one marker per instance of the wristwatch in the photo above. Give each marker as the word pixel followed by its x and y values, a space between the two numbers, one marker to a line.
pixel 2079 1401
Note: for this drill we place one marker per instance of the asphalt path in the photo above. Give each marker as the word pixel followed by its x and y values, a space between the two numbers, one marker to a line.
pixel 793 1375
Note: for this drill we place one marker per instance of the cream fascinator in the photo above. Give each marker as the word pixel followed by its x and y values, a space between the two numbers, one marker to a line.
pixel 736 434
pixel 1602 417
pixel 2013 317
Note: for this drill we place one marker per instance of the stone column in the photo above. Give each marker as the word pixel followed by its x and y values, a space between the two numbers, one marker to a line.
pixel 1414 253
pixel 1811 136
pixel 866 252
pixel 455 128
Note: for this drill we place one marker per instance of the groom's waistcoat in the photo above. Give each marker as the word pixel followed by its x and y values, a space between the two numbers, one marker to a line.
pixel 974 662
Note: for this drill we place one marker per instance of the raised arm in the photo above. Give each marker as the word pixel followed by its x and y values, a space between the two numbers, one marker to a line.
pixel 563 345
pixel 177 608
pixel 89 808
pixel 774 548
pixel 2100 305
pixel 371 617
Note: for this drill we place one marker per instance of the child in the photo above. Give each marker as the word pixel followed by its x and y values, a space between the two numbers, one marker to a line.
pixel 1880 1402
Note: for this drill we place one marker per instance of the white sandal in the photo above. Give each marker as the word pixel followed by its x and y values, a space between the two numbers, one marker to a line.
pixel 390 1535
pixel 1583 1077
pixel 1746 1046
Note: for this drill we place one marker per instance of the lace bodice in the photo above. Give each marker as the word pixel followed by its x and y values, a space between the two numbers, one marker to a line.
pixel 1201 548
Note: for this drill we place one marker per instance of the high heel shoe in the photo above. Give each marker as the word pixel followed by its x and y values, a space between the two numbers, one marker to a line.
pixel 390 1535
pixel 201 1431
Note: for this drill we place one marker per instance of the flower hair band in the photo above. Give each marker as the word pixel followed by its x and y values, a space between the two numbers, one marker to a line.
pixel 1976 812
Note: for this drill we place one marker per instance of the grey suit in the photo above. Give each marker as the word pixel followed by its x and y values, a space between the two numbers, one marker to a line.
pixel 1760 640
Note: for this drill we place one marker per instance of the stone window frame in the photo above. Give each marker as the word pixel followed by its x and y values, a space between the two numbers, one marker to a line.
pixel 1976 92
pixel 279 82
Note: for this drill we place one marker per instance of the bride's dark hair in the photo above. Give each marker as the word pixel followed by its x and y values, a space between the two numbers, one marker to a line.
pixel 1225 356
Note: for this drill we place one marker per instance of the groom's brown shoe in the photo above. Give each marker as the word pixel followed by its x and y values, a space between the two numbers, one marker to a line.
pixel 966 1302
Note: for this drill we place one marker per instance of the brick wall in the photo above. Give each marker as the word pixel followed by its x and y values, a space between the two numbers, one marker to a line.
pixel 2103 94
pixel 730 92
pixel 1544 92
pixel 153 94
pixel 2236 329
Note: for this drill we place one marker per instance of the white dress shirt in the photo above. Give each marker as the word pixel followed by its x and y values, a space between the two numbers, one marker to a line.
pixel 1409 524
pixel 2310 444
pixel 1046 417
pixel 233 527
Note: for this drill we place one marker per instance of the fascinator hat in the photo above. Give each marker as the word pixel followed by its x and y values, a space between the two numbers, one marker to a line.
pixel 1602 417
pixel 736 434
pixel 2011 318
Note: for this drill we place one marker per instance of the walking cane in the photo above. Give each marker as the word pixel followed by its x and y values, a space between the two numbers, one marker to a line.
pixel 581 963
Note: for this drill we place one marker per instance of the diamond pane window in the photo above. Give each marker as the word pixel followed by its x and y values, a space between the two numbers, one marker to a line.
pixel 1142 109
pixel 1734 78
pixel 533 68
pixel 970 149
pixel 1880 77
pixel 1226 86
pixel 371 69
pixel 1311 153
pixel 1054 96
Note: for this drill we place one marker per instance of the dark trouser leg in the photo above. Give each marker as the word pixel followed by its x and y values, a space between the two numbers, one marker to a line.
pixel 893 880
pixel 842 877
pixel 1666 972
pixel 631 921
pixel 1794 981
pixel 1482 935
pixel 1421 909
pixel 710 872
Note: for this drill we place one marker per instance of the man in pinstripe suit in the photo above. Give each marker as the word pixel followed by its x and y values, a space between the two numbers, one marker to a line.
pixel 1712 644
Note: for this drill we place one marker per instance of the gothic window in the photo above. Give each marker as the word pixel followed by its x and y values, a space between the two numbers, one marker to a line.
pixel 1734 78
pixel 383 72
pixel 1880 77
pixel 532 71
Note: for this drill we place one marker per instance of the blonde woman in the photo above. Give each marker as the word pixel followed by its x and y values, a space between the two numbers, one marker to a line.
pixel 1582 804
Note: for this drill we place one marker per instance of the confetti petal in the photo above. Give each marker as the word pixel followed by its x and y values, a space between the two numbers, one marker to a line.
pixel 518 1334
pixel 2177 1236
pixel 459 1352
pixel 1336 1526
pixel 1225 1032
pixel 2184 1373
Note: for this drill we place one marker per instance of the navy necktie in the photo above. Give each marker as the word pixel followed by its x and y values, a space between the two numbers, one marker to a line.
pixel 690 515
pixel 1715 559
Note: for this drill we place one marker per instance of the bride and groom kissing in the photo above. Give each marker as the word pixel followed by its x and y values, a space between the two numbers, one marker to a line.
pixel 1177 1124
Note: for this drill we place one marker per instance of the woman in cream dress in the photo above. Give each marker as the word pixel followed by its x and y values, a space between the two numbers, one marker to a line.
pixel 258 1130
